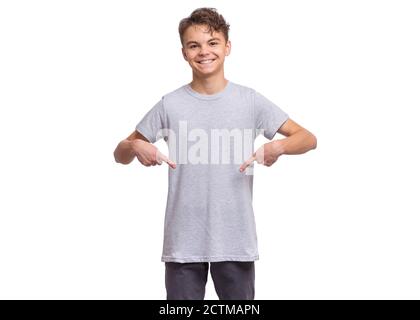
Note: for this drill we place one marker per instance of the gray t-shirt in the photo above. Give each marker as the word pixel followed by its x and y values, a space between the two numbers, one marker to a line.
pixel 209 215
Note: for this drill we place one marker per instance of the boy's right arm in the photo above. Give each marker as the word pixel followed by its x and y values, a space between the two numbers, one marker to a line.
pixel 137 145
pixel 124 153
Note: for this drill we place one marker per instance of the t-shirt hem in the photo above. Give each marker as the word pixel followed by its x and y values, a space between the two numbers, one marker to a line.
pixel 209 259
pixel 273 131
pixel 145 133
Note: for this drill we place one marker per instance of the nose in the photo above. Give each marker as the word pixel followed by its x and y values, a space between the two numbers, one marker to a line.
pixel 203 50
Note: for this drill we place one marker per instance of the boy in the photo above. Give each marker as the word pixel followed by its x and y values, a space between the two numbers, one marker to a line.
pixel 209 219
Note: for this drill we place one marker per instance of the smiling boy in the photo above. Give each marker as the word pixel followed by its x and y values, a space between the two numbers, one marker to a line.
pixel 209 218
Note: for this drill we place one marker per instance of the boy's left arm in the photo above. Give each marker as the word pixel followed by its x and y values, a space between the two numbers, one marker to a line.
pixel 298 140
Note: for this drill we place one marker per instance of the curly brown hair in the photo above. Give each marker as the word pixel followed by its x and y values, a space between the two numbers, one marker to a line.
pixel 205 16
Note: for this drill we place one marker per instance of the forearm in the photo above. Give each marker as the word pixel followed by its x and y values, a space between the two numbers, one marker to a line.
pixel 124 152
pixel 297 143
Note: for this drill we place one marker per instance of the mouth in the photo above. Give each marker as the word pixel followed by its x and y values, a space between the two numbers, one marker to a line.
pixel 205 61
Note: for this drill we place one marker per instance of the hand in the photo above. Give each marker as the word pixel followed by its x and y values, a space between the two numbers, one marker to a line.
pixel 267 154
pixel 149 155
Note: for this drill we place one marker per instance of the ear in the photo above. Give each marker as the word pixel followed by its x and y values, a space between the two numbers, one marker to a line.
pixel 228 48
pixel 184 54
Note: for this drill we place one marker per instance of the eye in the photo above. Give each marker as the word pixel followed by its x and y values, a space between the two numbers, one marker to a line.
pixel 193 46
pixel 213 43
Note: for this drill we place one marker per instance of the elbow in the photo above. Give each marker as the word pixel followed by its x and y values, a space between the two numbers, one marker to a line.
pixel 313 141
pixel 117 157
pixel 310 140
pixel 120 158
pixel 123 153
pixel 120 161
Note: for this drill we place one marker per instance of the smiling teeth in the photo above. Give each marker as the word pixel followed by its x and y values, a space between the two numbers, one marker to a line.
pixel 206 61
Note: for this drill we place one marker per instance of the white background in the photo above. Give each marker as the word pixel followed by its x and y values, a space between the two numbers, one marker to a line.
pixel 339 222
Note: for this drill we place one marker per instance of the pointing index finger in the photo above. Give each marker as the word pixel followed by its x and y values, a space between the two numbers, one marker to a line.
pixel 161 157
pixel 247 163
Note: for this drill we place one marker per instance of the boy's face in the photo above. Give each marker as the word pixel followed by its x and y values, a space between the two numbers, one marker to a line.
pixel 204 52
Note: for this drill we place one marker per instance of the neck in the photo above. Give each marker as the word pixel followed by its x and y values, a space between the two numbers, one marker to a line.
pixel 209 85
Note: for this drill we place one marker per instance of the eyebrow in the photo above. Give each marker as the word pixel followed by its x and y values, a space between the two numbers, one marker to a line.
pixel 212 39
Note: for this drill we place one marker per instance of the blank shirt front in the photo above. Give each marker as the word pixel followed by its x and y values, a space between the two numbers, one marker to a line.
pixel 209 215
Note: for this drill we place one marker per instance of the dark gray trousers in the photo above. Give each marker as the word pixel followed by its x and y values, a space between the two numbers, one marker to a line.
pixel 233 280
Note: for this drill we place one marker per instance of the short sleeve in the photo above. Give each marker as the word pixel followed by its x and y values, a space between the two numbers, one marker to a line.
pixel 268 116
pixel 153 122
